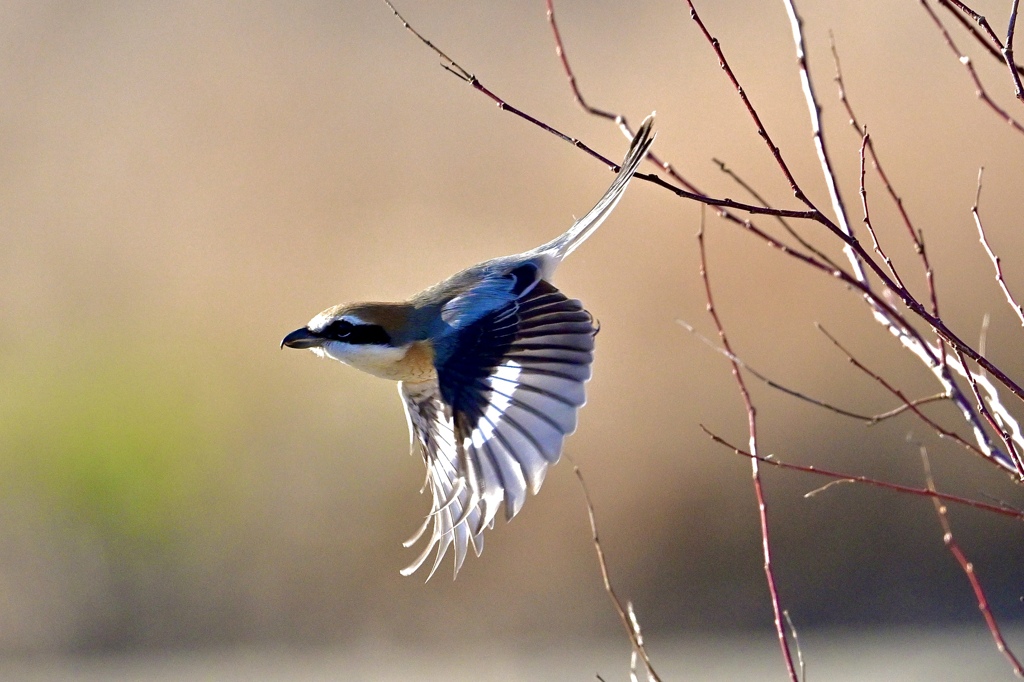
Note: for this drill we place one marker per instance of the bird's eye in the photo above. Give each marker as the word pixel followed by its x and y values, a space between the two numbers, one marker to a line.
pixel 339 330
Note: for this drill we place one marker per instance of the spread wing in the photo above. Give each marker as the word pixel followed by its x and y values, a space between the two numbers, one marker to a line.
pixel 431 429
pixel 505 398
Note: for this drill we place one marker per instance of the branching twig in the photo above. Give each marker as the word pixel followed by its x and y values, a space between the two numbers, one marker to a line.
pixel 865 141
pixel 869 420
pixel 945 433
pixel 972 381
pixel 869 147
pixel 996 48
pixel 755 470
pixel 996 260
pixel 1002 510
pixel 820 255
pixel 1007 52
pixel 979 89
pixel 940 369
pixel 968 569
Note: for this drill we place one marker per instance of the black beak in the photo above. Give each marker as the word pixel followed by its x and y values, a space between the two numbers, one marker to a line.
pixel 301 338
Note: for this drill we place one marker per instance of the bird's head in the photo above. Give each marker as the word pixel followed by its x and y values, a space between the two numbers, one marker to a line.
pixel 373 337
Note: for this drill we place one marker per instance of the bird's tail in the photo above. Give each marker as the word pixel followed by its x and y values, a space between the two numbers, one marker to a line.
pixel 562 246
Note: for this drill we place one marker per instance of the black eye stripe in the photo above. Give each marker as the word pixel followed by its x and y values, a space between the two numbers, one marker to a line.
pixel 356 334
pixel 338 330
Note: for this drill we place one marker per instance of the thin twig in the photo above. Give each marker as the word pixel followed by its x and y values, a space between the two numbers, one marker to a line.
pixel 869 420
pixel 785 223
pixel 968 568
pixel 869 147
pixel 627 623
pixel 945 433
pixel 1007 51
pixel 755 470
pixel 1001 509
pixel 978 18
pixel 993 45
pixel 996 260
pixel 1011 447
pixel 885 314
pixel 939 368
pixel 796 645
pixel 818 133
pixel 761 131
pixel 979 89
pixel 931 356
pixel 865 141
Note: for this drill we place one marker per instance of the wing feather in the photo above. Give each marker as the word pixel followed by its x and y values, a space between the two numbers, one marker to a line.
pixel 505 397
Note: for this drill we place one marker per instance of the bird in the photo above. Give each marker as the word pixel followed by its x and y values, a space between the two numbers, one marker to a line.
pixel 491 365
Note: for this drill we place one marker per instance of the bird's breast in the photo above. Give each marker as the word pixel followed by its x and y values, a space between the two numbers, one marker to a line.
pixel 412 363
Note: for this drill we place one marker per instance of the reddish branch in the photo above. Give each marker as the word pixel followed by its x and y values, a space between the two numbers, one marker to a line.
pixel 1002 510
pixel 968 568
pixel 936 358
pixel 869 420
pixel 945 433
pixel 996 48
pixel 979 89
pixel 868 146
pixel 941 370
pixel 755 470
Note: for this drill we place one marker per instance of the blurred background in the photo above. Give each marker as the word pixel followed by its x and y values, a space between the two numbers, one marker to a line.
pixel 185 183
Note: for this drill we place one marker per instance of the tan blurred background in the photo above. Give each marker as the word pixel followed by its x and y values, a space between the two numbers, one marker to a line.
pixel 184 183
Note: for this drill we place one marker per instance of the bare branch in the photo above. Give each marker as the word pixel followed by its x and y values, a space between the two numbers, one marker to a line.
pixel 1001 509
pixel 968 569
pixel 869 420
pixel 628 620
pixel 761 131
pixel 1011 448
pixel 979 89
pixel 814 109
pixel 996 261
pixel 796 645
pixel 939 369
pixel 899 394
pixel 865 140
pixel 785 223
pixel 992 44
pixel 1007 52
pixel 755 470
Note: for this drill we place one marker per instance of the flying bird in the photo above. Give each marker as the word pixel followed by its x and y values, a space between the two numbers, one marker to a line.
pixel 491 365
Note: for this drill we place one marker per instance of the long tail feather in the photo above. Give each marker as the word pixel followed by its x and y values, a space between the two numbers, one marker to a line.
pixel 565 244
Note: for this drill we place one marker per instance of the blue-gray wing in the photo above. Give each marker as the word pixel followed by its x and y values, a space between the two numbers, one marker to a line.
pixel 514 382
pixel 505 398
